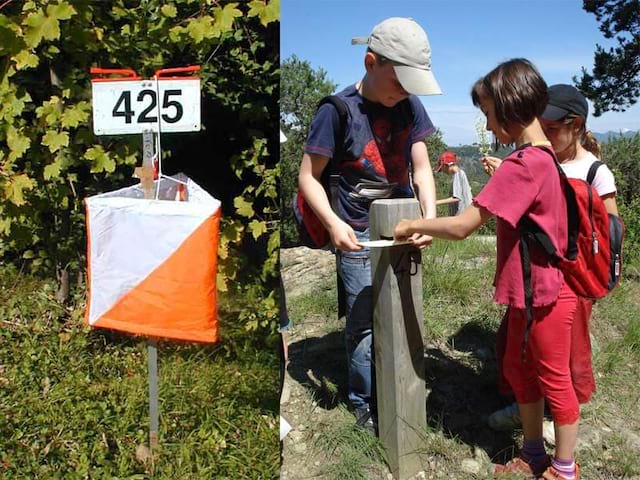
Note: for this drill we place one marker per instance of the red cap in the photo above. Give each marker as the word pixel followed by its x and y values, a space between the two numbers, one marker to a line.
pixel 446 158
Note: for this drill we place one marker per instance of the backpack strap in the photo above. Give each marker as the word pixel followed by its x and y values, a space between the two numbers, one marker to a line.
pixel 340 133
pixel 530 231
pixel 331 171
pixel 572 207
pixel 331 175
pixel 592 171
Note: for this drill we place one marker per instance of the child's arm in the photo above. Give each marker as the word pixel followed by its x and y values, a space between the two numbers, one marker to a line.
pixel 446 201
pixel 423 179
pixel 450 228
pixel 342 235
pixel 425 187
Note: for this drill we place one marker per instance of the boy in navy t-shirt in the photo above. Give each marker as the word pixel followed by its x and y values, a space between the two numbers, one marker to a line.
pixel 383 156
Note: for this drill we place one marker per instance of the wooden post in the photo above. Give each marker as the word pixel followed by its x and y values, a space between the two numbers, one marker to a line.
pixel 398 339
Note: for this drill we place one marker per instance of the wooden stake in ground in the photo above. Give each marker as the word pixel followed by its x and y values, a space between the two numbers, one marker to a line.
pixel 398 339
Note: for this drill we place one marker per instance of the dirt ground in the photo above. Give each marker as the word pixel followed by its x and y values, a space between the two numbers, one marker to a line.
pixel 459 395
pixel 460 386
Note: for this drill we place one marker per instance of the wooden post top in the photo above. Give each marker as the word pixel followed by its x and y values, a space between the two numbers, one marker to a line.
pixel 385 214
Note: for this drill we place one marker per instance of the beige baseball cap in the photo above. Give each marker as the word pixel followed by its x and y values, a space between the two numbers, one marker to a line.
pixel 405 43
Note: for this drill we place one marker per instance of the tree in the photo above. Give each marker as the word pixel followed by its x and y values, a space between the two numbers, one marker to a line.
pixel 50 160
pixel 301 88
pixel 615 81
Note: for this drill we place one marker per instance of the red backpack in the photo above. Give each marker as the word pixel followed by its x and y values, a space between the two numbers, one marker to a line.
pixel 592 264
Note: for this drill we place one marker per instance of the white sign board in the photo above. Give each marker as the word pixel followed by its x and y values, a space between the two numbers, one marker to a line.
pixel 135 106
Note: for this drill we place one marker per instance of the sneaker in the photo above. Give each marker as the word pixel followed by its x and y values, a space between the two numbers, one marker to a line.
pixel 364 419
pixel 552 474
pixel 506 419
pixel 520 466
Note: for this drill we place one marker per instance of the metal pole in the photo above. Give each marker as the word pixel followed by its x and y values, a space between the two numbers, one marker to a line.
pixel 152 351
pixel 146 178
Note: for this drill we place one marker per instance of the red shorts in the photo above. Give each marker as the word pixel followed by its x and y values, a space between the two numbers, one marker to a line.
pixel 580 362
pixel 545 373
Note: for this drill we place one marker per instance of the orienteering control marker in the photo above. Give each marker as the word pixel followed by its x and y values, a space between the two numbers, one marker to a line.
pixel 129 105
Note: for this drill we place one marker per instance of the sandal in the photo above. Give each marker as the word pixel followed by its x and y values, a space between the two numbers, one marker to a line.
pixel 520 466
pixel 552 474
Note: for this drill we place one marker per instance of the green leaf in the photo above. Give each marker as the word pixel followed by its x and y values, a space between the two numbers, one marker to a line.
pixel 101 160
pixel 75 115
pixel 53 169
pixel 243 207
pixel 267 11
pixel 15 186
pixel 200 28
pixel 175 33
pixel 225 16
pixel 5 225
pixel 10 37
pixel 25 59
pixel 55 140
pixel 257 228
pixel 50 110
pixel 17 143
pixel 169 10
pixel 13 107
pixel 274 242
pixel 61 11
pixel 41 27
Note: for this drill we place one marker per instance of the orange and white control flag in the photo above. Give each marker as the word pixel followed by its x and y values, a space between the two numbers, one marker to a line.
pixel 152 264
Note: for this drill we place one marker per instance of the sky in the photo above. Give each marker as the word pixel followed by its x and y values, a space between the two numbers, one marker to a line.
pixel 468 39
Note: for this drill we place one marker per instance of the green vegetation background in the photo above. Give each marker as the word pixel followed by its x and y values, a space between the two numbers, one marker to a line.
pixel 73 401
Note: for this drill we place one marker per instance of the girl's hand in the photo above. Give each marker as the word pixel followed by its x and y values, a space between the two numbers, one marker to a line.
pixel 403 230
pixel 421 241
pixel 490 164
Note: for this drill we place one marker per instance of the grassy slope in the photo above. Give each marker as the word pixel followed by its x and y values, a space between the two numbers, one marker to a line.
pixel 460 321
pixel 73 401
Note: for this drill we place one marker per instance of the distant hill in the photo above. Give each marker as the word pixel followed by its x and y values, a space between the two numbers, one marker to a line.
pixel 470 156
pixel 604 137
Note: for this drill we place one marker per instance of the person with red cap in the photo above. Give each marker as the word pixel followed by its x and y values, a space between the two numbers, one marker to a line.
pixel 383 155
pixel 460 197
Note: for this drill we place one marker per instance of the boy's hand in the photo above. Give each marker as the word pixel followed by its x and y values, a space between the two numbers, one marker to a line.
pixel 343 238
pixel 490 164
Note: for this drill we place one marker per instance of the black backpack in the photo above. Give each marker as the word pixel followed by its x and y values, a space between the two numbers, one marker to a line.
pixel 311 232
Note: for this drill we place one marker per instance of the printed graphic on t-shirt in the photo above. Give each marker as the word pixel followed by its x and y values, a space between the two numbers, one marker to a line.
pixel 385 154
pixel 377 151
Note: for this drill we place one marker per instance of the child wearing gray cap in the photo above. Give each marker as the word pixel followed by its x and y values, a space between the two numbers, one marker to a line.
pixel 383 156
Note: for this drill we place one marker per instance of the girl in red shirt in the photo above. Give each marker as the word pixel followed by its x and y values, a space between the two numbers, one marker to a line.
pixel 512 97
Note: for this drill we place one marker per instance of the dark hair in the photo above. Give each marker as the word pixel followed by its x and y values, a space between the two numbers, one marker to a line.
pixel 587 140
pixel 517 90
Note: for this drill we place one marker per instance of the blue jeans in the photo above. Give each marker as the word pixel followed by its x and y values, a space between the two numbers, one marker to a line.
pixel 355 270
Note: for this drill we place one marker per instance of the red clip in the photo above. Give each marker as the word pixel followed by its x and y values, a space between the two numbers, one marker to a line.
pixel 160 74
pixel 123 74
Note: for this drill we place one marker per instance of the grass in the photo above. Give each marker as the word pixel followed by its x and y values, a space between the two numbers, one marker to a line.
pixel 74 404
pixel 460 321
pixel 360 453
